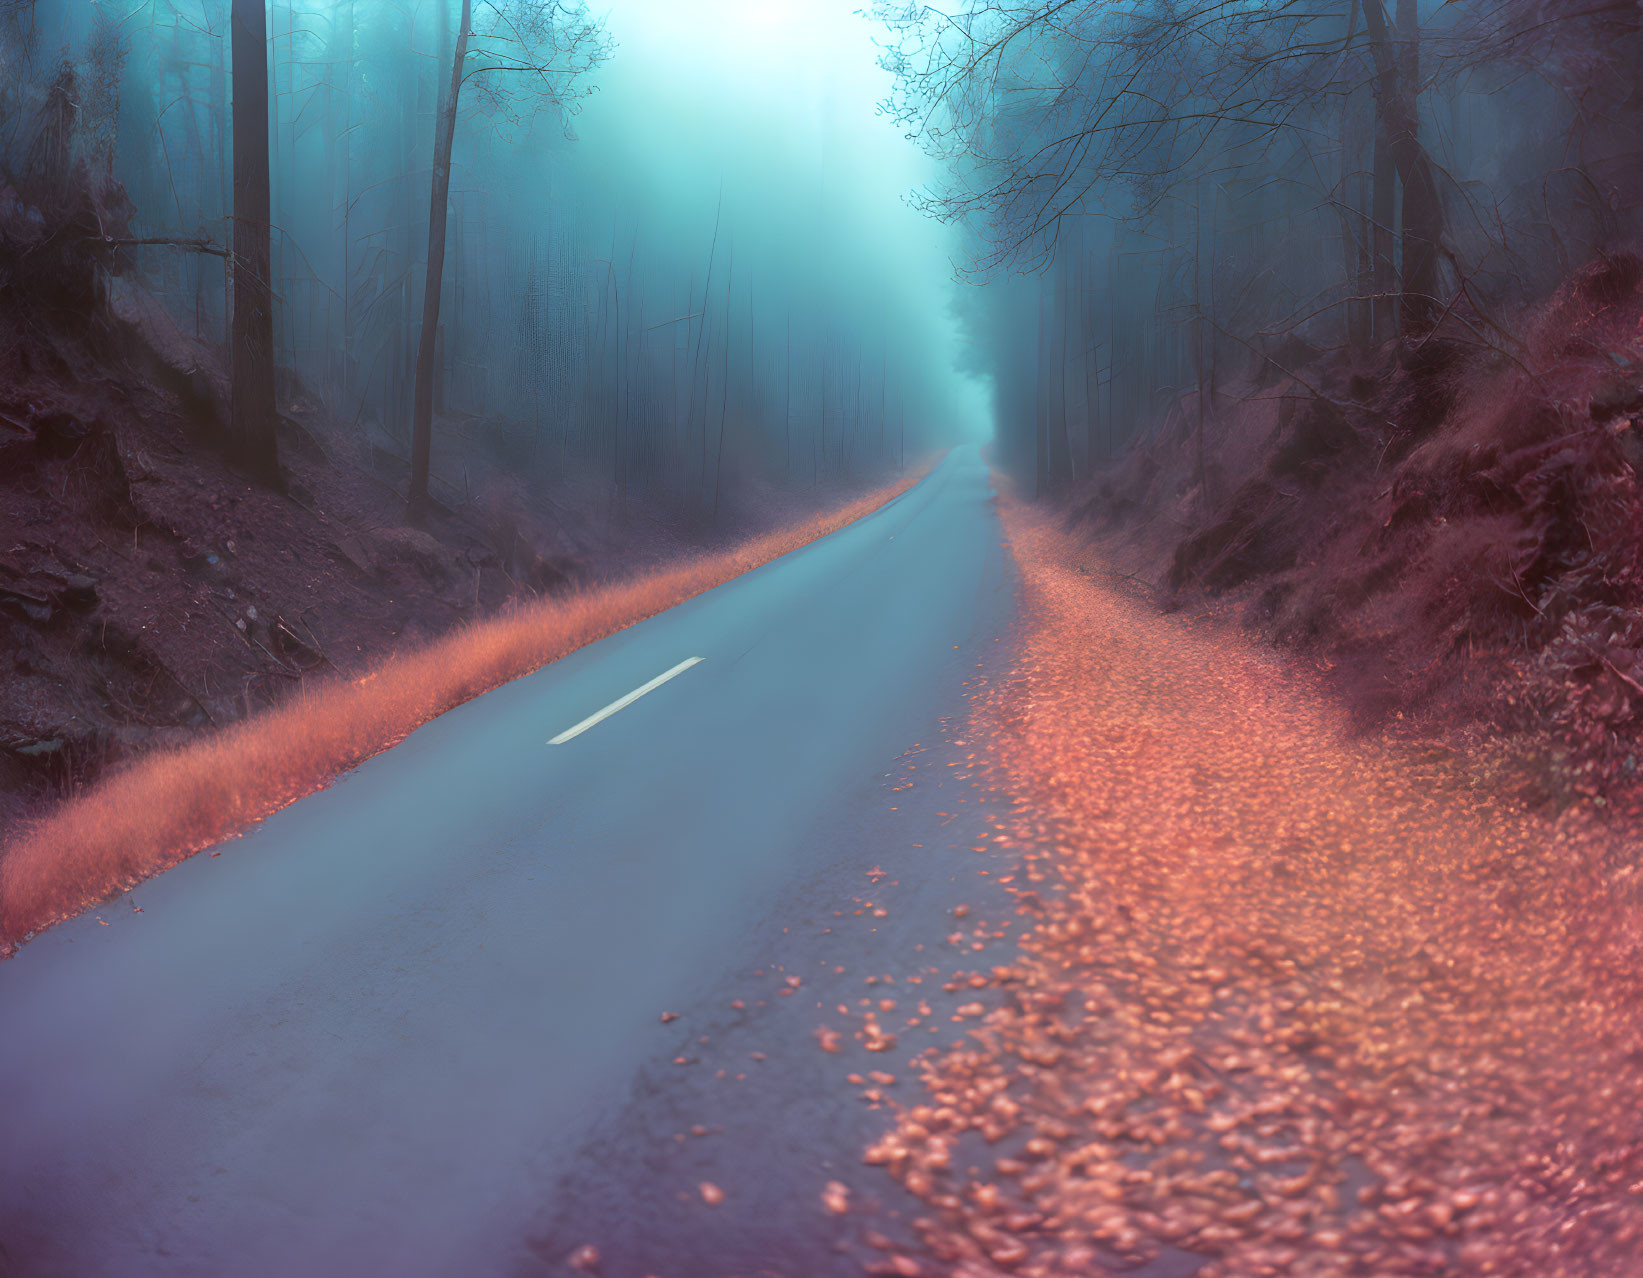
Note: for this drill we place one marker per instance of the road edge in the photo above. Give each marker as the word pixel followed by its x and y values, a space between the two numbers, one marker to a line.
pixel 165 807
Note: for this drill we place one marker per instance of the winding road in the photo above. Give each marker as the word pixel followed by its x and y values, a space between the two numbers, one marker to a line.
pixel 376 1034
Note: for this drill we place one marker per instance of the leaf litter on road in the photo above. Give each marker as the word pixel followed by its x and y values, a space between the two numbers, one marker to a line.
pixel 1286 1001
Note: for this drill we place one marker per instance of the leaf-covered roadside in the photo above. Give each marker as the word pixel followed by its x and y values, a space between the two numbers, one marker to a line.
pixel 1291 1001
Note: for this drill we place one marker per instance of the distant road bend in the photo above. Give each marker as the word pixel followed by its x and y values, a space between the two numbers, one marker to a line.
pixel 370 1037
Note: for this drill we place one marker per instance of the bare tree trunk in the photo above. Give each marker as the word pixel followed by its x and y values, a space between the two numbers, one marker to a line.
pixel 1383 213
pixel 707 381
pixel 1354 230
pixel 703 337
pixel 847 441
pixel 1198 361
pixel 1422 208
pixel 819 439
pixel 218 82
pixel 1364 314
pixel 1111 416
pixel 422 405
pixel 624 387
pixel 345 381
pixel 1092 365
pixel 1397 87
pixel 787 403
pixel 280 279
pixel 1041 415
pixel 253 420
pixel 1061 459
pixel 724 392
pixel 884 396
pixel 681 423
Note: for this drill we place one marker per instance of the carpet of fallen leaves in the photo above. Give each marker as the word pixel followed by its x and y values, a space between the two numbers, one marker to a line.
pixel 1288 1001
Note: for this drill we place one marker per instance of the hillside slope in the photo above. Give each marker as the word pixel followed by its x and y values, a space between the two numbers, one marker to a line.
pixel 149 591
pixel 1451 528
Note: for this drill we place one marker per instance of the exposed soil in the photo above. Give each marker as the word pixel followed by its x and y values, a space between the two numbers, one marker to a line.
pixel 1451 528
pixel 149 591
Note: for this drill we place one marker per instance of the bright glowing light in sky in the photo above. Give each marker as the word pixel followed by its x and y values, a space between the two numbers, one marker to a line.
pixel 779 103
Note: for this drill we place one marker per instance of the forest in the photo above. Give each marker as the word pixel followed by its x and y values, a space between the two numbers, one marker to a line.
pixel 1330 312
pixel 1225 279
pixel 712 637
pixel 473 328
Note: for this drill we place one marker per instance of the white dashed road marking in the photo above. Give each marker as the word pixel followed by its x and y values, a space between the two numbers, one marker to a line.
pixel 623 702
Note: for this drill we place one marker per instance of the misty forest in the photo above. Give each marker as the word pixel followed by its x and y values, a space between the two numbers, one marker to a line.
pixel 821 638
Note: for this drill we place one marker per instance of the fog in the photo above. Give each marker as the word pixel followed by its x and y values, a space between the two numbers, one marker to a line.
pixel 681 259
pixel 1172 206
pixel 774 109
pixel 698 248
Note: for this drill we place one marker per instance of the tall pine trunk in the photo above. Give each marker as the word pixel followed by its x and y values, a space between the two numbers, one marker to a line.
pixel 422 403
pixel 251 404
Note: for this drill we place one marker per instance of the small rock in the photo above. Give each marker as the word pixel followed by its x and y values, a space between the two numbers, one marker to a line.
pixel 79 592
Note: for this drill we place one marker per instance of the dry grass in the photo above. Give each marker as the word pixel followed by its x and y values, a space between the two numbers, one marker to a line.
pixel 169 805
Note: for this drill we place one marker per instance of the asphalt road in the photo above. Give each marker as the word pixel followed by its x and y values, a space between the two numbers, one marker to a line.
pixel 411 1025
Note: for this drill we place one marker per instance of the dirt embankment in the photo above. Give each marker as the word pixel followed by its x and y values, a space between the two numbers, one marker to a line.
pixel 169 804
pixel 150 593
pixel 1450 528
